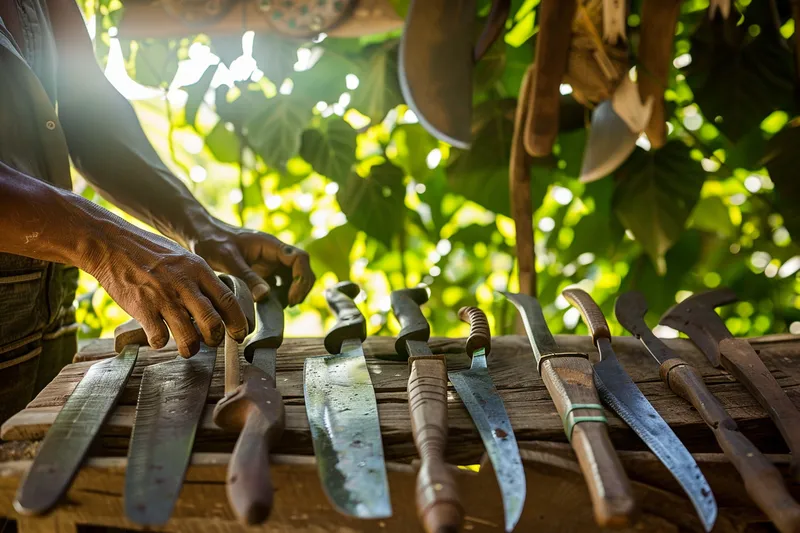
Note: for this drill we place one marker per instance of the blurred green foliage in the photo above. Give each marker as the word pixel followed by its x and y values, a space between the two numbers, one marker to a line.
pixel 311 141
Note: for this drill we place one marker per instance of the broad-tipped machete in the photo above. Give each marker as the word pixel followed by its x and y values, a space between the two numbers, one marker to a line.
pixel 255 409
pixel 695 316
pixel 620 393
pixel 477 391
pixel 438 503
pixel 569 379
pixel 67 441
pixel 763 482
pixel 436 62
pixel 172 397
pixel 343 414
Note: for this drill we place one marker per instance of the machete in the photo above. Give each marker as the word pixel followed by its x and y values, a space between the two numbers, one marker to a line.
pixel 438 503
pixel 67 441
pixel 763 482
pixel 569 380
pixel 477 391
pixel 343 414
pixel 172 397
pixel 620 393
pixel 695 316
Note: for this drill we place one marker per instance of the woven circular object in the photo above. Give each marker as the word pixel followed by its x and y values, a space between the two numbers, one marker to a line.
pixel 305 18
pixel 198 12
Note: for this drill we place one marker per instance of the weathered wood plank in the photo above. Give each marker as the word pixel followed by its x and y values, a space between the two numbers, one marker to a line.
pixel 530 408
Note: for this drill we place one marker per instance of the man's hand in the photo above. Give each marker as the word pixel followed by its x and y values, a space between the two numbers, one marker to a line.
pixel 163 285
pixel 252 256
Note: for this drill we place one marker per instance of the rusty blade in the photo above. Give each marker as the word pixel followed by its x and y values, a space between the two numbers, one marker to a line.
pixel 76 426
pixel 343 416
pixel 171 401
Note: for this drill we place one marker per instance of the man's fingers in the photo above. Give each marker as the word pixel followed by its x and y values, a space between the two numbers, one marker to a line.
pixel 224 302
pixel 206 319
pixel 155 329
pixel 183 330
pixel 303 277
pixel 239 268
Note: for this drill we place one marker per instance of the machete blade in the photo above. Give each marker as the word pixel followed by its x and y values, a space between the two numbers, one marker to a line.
pixel 68 439
pixel 343 417
pixel 171 401
pixel 477 391
pixel 619 392
pixel 435 67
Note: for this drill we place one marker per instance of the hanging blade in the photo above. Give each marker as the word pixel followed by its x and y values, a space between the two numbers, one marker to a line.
pixel 77 424
pixel 620 393
pixel 171 401
pixel 343 415
pixel 477 391
pixel 435 67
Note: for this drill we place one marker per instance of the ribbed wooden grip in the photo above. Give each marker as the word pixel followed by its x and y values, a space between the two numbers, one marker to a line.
pixel 479 334
pixel 570 381
pixel 438 504
pixel 764 483
pixel 591 314
pixel 739 358
pixel 249 483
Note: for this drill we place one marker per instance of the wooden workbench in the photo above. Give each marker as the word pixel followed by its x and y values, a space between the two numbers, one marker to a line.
pixel 557 498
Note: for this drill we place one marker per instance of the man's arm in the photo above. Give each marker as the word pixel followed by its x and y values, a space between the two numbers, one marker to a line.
pixel 110 149
pixel 155 280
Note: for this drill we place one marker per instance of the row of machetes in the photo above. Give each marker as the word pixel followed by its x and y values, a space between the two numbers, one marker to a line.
pixel 343 415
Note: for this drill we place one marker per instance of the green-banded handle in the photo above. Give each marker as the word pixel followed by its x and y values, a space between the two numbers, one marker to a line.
pixel 131 332
pixel 350 323
pixel 406 307
pixel 590 312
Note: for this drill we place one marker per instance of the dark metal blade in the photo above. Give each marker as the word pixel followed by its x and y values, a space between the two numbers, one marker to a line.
pixel 171 401
pixel 539 334
pixel 76 426
pixel 610 143
pixel 630 310
pixel 435 67
pixel 343 416
pixel 265 359
pixel 486 408
pixel 624 397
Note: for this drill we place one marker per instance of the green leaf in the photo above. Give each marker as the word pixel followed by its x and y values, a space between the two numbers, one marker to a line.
pixel 326 80
pixel 332 152
pixel 331 253
pixel 517 61
pixel 375 204
pixel 275 55
pixel 737 77
pixel 401 7
pixel 711 215
pixel 473 234
pixel 274 130
pixel 491 67
pixel 227 47
pixel 414 143
pixel 379 88
pixel 197 91
pixel 223 143
pixel 655 194
pixel 782 162
pixel 156 62
pixel 435 188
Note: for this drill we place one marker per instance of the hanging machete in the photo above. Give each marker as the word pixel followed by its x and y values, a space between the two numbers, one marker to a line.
pixel 620 393
pixel 78 423
pixel 477 391
pixel 172 397
pixel 343 414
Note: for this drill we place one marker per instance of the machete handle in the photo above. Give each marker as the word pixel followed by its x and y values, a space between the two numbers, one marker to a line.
pixel 763 482
pixel 350 323
pixel 255 408
pixel 742 361
pixel 479 334
pixel 269 327
pixel 590 312
pixel 438 504
pixel 131 332
pixel 406 307
pixel 570 381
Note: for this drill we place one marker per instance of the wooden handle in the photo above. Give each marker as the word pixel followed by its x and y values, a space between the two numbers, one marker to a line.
pixel 570 381
pixel 762 480
pixel 245 300
pixel 249 486
pixel 406 307
pixel 350 323
pixel 739 358
pixel 552 51
pixel 438 504
pixel 130 332
pixel 591 314
pixel 269 327
pixel 243 296
pixel 479 334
